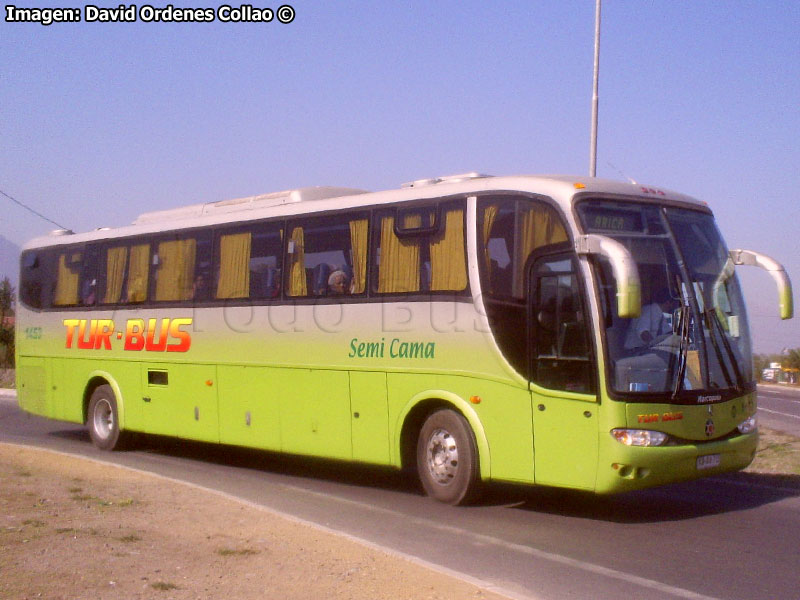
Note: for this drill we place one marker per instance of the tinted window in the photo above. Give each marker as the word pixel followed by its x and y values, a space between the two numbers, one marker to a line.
pixel 124 272
pixel 420 250
pixel 75 275
pixel 182 268
pixel 249 262
pixel 510 230
pixel 327 256
pixel 33 278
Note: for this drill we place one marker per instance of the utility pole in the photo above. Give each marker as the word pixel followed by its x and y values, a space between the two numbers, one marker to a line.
pixel 593 142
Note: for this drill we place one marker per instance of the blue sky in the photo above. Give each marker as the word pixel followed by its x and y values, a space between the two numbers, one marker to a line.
pixel 102 121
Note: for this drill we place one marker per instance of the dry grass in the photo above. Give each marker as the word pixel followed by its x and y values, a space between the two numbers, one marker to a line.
pixel 778 454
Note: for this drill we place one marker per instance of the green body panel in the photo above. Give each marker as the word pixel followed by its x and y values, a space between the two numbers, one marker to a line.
pixel 505 415
pixel 33 390
pixel 68 380
pixel 249 413
pixel 565 439
pixel 186 406
pixel 370 411
pixel 315 412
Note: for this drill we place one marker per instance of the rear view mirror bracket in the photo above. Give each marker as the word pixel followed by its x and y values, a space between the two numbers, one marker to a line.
pixel 776 270
pixel 629 299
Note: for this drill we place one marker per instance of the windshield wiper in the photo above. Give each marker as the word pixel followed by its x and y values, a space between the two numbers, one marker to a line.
pixel 683 348
pixel 713 318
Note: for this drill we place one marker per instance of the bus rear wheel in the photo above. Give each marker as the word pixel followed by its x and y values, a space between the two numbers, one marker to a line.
pixel 447 458
pixel 103 419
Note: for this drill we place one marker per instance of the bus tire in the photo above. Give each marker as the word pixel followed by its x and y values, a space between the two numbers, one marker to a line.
pixel 447 458
pixel 102 419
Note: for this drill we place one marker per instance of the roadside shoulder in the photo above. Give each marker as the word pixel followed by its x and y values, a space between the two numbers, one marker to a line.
pixel 155 533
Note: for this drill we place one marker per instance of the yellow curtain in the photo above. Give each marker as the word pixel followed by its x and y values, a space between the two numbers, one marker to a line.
pixel 138 273
pixel 358 241
pixel 116 259
pixel 297 272
pixel 448 257
pixel 399 268
pixel 176 270
pixel 540 227
pixel 67 282
pixel 489 215
pixel 234 266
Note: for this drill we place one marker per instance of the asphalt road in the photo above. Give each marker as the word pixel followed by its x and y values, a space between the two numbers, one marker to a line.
pixel 726 537
pixel 779 408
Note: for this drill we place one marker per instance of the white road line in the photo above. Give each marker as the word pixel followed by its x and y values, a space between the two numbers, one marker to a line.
pixel 777 395
pixel 542 554
pixel 777 412
pixel 779 390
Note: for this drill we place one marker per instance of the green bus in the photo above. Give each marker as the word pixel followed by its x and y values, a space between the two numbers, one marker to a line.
pixel 548 330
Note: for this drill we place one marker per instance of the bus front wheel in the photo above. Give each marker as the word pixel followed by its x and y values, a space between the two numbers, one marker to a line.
pixel 447 458
pixel 103 419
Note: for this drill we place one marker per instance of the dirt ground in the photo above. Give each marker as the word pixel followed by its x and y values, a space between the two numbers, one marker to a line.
pixel 76 529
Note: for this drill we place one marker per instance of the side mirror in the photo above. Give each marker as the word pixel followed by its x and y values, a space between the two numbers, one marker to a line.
pixel 629 289
pixel 776 270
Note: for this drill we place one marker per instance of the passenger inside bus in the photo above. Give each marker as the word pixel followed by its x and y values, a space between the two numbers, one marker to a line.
pixel 338 283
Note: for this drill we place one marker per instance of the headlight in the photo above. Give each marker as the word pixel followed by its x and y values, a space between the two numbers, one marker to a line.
pixel 639 437
pixel 749 425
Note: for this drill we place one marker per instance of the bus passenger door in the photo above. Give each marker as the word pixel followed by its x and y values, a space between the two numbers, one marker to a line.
pixel 561 371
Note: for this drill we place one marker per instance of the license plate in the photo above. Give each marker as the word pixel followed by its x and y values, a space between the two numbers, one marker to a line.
pixel 708 461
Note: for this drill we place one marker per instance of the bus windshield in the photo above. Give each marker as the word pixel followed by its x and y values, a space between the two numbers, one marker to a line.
pixel 691 342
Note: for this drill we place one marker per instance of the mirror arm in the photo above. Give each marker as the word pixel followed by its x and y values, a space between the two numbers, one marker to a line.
pixel 776 270
pixel 629 298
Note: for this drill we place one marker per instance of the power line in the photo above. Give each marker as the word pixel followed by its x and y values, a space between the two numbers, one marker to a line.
pixel 29 209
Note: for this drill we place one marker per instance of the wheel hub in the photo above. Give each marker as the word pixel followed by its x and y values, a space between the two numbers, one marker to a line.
pixel 442 455
pixel 103 419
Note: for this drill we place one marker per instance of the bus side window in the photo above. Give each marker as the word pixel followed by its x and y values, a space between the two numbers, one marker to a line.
pixel 69 263
pixel 265 261
pixel 88 278
pixel 124 273
pixel 421 250
pixel 448 264
pixel 234 277
pixel 398 265
pixel 498 241
pixel 327 257
pixel 33 276
pixel 182 268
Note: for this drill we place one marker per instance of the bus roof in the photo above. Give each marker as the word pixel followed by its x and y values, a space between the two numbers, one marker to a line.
pixel 561 188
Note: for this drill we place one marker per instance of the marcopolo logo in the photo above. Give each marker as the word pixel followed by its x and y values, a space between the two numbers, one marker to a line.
pixel 157 335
